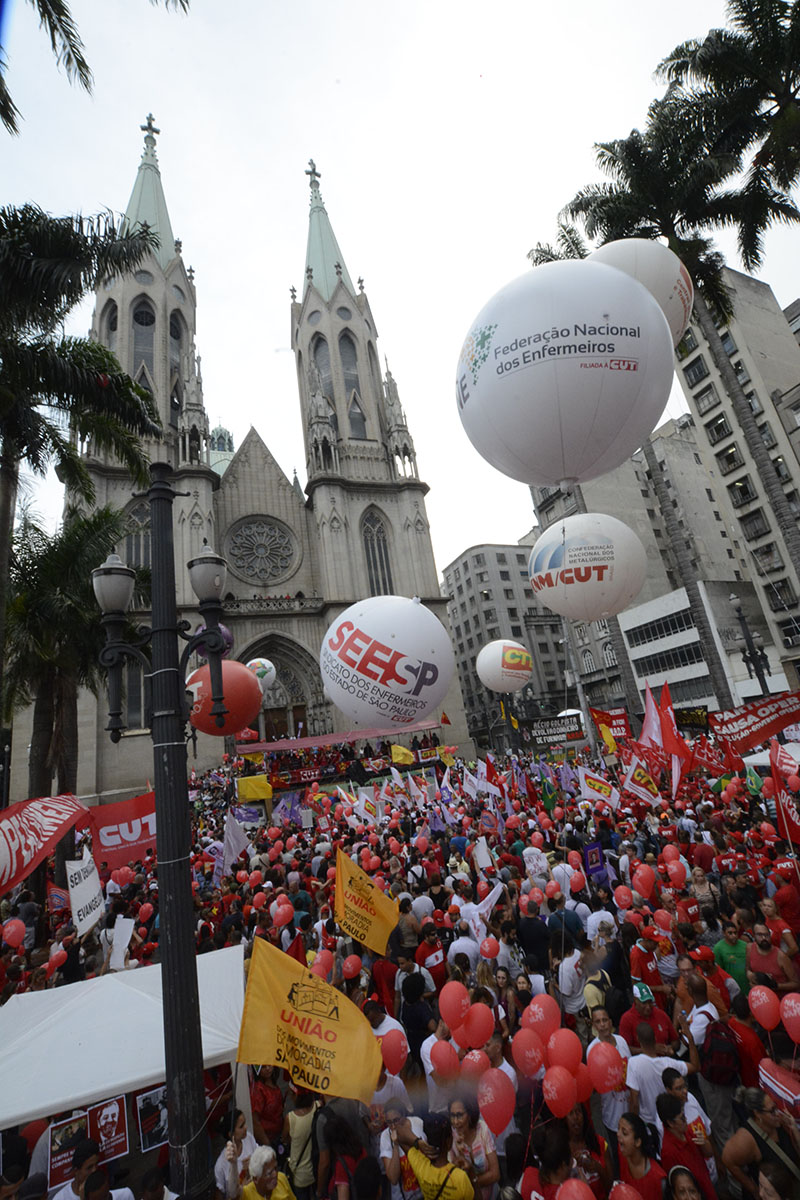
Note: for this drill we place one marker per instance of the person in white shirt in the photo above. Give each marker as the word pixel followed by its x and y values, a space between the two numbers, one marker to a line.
pixel 595 920
pixel 703 1012
pixel 572 977
pixel 393 1157
pixel 85 1158
pixel 381 1023
pixel 612 1104
pixel 645 1070
pixel 464 944
pixel 581 910
pixel 562 873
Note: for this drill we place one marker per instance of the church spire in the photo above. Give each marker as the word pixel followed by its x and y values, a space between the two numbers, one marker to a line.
pixel 147 205
pixel 324 262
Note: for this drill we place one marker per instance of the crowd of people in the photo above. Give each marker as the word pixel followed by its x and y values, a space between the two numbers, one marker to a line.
pixel 651 928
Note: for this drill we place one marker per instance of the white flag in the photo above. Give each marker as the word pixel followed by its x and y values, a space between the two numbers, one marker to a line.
pixel 235 842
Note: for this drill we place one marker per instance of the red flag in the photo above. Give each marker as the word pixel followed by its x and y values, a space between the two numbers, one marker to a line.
pixel 445 720
pixel 530 789
pixel 733 759
pixel 671 740
pixel 651 734
pixel 785 801
pixel 297 949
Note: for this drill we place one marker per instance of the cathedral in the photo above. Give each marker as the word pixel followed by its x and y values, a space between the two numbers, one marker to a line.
pixel 296 556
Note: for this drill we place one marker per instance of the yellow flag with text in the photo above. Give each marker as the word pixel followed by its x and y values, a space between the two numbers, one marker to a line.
pixel 401 755
pixel 360 907
pixel 296 1020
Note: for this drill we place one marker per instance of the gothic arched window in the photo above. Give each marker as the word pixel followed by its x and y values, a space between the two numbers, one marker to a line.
pixel 322 361
pixel 358 422
pixel 588 660
pixel 137 543
pixel 376 551
pixel 109 327
pixel 175 341
pixel 347 353
pixel 609 657
pixel 144 325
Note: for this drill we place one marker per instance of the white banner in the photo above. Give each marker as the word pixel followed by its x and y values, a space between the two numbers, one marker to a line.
pixel 595 787
pixel 123 931
pixel 85 893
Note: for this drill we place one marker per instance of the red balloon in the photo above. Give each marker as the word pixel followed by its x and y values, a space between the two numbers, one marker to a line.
pixel 564 1050
pixel 14 932
pixel 490 947
pixel 142 931
pixel 291 842
pixel 537 840
pixel 272 854
pixel 583 1081
pixel 790 1015
pixel 551 889
pixel 352 967
pixel 421 844
pixel 483 889
pixel 259 900
pixel 577 882
pixel 58 959
pixel 523 905
pixel 283 913
pixel 634 917
pixel 560 1091
pixel 671 853
pixel 558 814
pixel 662 918
pixel 765 1007
pixel 575 1189
pixel 444 1059
pixel 606 1067
pixel 574 859
pixel 394 845
pixel 677 874
pixel 325 958
pixel 623 897
pixel 497 1099
pixel 318 969
pixel 478 1025
pixel 242 694
pixel 242 876
pixel 331 873
pixel 394 1048
pixel 623 1191
pixel 644 880
pixel 768 787
pixel 537 895
pixel 115 875
pixel 793 782
pixel 527 1050
pixel 542 1015
pixel 545 823
pixel 255 877
pixel 454 1004
pixel 474 1064
pixel 146 911
pixel 374 862
pixel 273 833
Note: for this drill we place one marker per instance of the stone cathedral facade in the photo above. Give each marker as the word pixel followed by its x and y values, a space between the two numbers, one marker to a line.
pixel 296 555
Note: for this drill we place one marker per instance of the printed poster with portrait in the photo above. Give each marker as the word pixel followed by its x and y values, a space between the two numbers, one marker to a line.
pixel 64 1137
pixel 151 1113
pixel 108 1126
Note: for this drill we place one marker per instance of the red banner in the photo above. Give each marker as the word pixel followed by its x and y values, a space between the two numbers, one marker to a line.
pixel 29 832
pixel 754 723
pixel 615 719
pixel 782 764
pixel 123 832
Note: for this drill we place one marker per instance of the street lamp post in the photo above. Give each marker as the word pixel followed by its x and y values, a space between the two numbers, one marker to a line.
pixel 754 657
pixel 190 1171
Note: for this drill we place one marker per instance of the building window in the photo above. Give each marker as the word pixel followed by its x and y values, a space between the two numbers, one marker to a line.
pixel 505 575
pixel 718 429
pixel 706 399
pixel 601 626
pixel 376 551
pixel 653 631
pixel 695 371
pixel 513 613
pixel 742 492
pixel 742 373
pixel 686 345
pixel 501 558
pixel 479 560
pixel 780 595
pixel 669 660
pixel 322 361
pixel 109 329
pixel 609 657
pixel 521 559
pixel 728 460
pixel 588 661
pixel 144 321
pixel 508 593
pixel 728 343
pixel 755 404
pixel 516 631
pixel 780 468
pixel 347 353
pixel 768 558
pixel 358 422
pixel 137 542
pixel 767 436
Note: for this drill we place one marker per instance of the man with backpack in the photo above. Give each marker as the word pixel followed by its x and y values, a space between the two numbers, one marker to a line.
pixel 719 1061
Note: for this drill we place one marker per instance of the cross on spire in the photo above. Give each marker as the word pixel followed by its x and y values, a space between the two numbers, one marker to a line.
pixel 313 174
pixel 149 127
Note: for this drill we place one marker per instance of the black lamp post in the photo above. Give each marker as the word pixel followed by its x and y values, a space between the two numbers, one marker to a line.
pixel 190 1172
pixel 754 657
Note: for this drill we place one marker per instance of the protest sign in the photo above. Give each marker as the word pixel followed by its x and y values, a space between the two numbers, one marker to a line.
pixel 360 907
pixel 123 832
pixel 29 832
pixel 85 892
pixel 751 724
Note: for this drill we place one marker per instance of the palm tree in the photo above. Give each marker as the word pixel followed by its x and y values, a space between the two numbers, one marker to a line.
pixel 58 393
pixel 570 245
pixel 56 19
pixel 744 84
pixel 667 183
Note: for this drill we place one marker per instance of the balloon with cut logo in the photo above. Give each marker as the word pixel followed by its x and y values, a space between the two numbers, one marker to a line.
pixel 241 696
pixel 658 269
pixel 264 671
pixel 504 666
pixel 387 659
pixel 564 373
pixel 587 566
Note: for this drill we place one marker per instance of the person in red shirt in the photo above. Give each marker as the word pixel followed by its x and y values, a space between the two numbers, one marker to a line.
pixel 678 1149
pixel 782 936
pixel 430 955
pixel 644 1009
pixel 751 1048
pixel 266 1101
pixel 638 1166
pixel 383 977
pixel 703 854
pixel 644 965
pixel 787 899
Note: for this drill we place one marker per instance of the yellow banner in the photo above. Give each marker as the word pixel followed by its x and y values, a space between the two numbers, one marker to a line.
pixel 253 787
pixel 447 759
pixel 296 1020
pixel 401 755
pixel 514 723
pixel 502 710
pixel 360 907
pixel 608 738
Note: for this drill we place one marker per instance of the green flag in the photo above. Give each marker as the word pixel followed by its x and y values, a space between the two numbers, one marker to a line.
pixel 549 796
pixel 720 784
pixel 754 781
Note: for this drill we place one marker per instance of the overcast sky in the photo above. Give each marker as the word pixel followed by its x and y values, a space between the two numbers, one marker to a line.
pixel 448 136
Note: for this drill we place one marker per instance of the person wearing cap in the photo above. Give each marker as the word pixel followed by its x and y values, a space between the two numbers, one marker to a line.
pixel 644 965
pixel 645 1011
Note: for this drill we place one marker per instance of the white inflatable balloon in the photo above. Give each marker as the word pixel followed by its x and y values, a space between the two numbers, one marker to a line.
pixel 587 566
pixel 658 269
pixel 264 672
pixel 564 373
pixel 504 666
pixel 386 659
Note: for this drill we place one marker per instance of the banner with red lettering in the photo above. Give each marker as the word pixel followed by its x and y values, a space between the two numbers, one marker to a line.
pixel 615 719
pixel 29 831
pixel 122 833
pixel 782 765
pixel 754 723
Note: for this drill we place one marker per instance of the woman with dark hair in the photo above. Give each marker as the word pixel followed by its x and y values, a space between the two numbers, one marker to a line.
pixel 768 1136
pixel 437 1177
pixel 408 927
pixel 638 1165
pixel 231 1166
pixel 681 1185
pixel 678 1149
pixel 589 1152
pixel 473 1146
pixel 507 997
pixel 551 1146
pixel 346 1151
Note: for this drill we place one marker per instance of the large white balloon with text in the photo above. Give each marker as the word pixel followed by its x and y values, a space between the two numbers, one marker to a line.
pixel 504 666
pixel 587 566
pixel 564 373
pixel 658 269
pixel 386 660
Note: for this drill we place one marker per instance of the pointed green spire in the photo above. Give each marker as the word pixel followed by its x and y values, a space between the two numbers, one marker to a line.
pixel 324 262
pixel 147 205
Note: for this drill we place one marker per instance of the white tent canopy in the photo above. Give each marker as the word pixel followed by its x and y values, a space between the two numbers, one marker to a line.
pixel 77 1045
pixel 761 759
